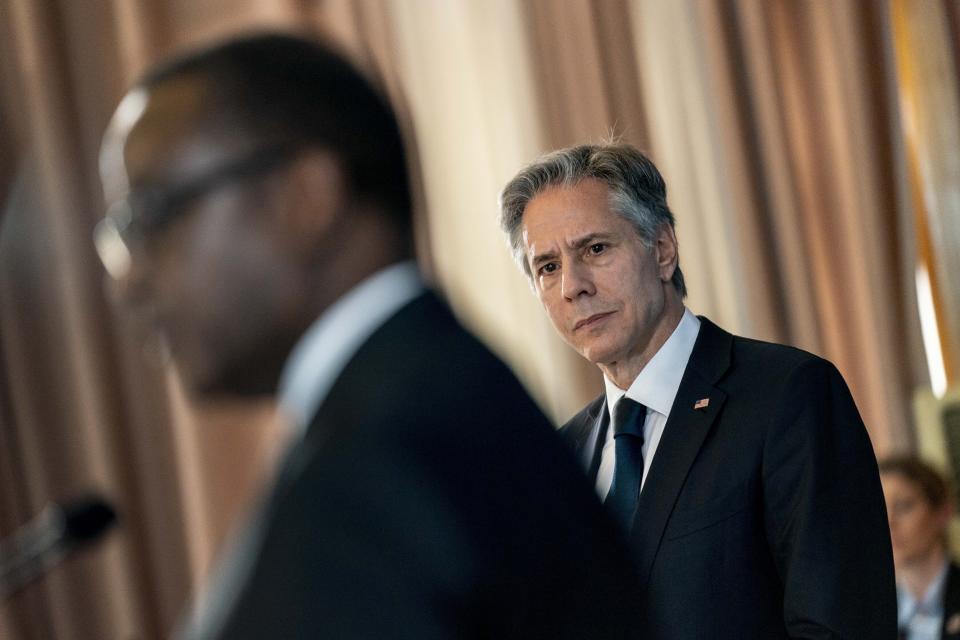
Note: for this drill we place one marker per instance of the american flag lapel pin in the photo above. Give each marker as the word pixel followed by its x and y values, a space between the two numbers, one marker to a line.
pixel 702 403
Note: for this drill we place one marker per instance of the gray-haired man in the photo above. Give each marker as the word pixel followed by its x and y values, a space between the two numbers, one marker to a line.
pixel 740 470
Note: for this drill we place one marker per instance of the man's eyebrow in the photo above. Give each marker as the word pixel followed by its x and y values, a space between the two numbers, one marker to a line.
pixel 542 257
pixel 577 244
pixel 590 238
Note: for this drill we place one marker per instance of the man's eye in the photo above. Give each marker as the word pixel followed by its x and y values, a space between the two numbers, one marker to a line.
pixel 598 247
pixel 549 268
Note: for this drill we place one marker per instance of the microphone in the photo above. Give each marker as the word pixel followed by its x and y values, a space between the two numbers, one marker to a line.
pixel 58 530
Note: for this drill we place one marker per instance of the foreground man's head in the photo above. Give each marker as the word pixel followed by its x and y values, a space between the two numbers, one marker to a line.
pixel 248 186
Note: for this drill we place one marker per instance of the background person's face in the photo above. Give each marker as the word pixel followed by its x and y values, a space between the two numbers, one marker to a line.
pixel 916 527
pixel 213 282
pixel 604 290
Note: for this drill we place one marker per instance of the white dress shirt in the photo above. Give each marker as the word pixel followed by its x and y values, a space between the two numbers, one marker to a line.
pixel 922 619
pixel 655 388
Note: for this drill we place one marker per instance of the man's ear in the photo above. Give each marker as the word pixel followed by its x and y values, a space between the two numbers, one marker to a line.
pixel 314 194
pixel 667 251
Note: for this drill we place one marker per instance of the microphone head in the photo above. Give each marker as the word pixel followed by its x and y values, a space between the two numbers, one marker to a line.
pixel 86 518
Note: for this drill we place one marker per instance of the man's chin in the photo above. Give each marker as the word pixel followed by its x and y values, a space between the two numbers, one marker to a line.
pixel 197 379
pixel 227 387
pixel 208 383
pixel 224 373
pixel 598 354
pixel 196 385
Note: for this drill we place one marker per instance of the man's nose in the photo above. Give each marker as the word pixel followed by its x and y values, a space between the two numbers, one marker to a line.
pixel 576 281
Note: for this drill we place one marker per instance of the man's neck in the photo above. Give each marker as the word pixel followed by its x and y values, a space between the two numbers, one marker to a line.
pixel 623 372
pixel 919 575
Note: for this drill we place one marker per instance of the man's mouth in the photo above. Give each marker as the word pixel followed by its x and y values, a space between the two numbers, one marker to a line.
pixel 591 320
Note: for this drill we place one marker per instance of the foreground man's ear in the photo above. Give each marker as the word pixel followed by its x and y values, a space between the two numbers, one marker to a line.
pixel 313 194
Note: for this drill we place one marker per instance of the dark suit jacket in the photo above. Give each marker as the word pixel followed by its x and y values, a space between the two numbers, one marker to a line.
pixel 431 499
pixel 762 515
pixel 951 604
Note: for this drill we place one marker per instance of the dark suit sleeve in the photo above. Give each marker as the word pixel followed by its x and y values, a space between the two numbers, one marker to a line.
pixel 950 630
pixel 339 559
pixel 824 512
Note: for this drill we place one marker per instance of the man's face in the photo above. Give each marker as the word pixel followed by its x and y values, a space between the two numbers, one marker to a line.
pixel 212 281
pixel 917 528
pixel 608 295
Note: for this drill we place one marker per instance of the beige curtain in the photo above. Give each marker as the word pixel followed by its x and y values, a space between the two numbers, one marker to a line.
pixel 778 147
pixel 776 122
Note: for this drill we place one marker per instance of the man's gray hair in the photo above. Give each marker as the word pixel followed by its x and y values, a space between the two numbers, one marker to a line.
pixel 637 192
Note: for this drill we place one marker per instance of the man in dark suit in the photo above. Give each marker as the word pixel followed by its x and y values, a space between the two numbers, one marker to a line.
pixel 261 222
pixel 740 470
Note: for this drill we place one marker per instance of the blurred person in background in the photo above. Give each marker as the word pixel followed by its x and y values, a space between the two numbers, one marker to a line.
pixel 260 224
pixel 919 506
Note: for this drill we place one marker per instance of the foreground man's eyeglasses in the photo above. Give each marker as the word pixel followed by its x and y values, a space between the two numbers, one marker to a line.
pixel 129 221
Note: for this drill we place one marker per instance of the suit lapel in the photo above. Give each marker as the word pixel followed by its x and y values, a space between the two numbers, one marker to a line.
pixel 599 423
pixel 951 604
pixel 579 430
pixel 684 434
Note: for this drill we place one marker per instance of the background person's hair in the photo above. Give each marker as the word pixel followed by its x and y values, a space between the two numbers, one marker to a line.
pixel 933 486
pixel 279 88
pixel 637 191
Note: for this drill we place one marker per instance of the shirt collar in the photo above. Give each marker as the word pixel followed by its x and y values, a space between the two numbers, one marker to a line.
pixel 932 601
pixel 657 384
pixel 323 351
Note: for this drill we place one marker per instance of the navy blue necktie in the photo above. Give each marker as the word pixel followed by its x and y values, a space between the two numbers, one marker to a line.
pixel 628 418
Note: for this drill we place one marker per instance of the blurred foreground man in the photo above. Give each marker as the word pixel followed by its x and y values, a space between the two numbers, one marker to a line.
pixel 740 470
pixel 260 219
